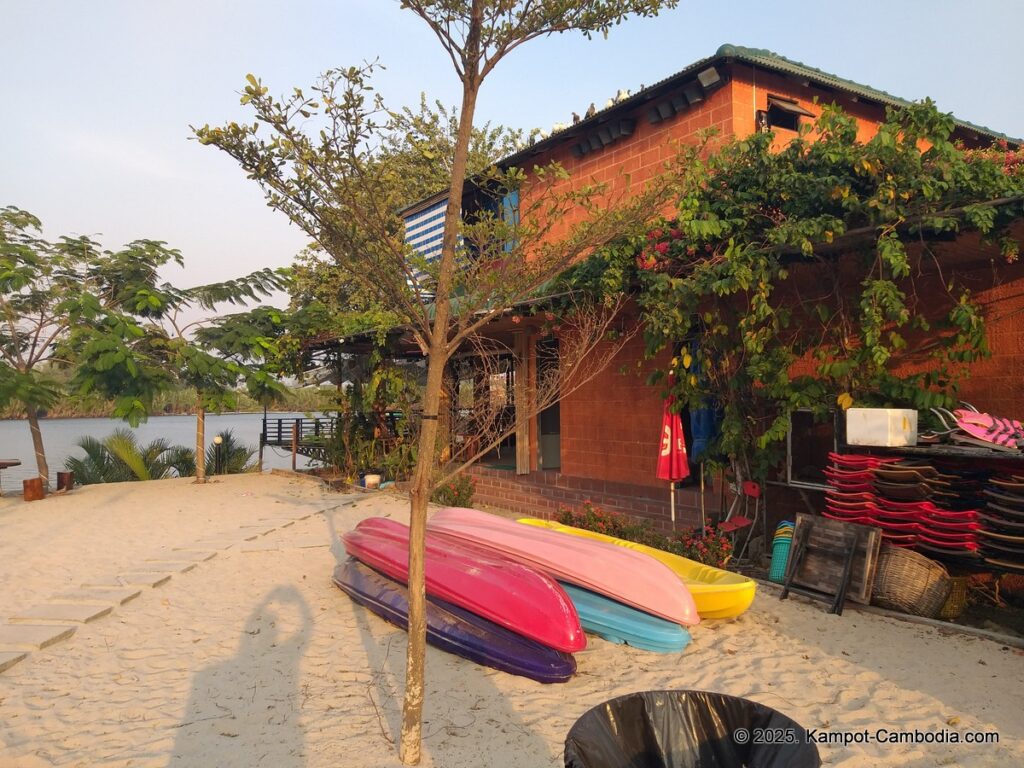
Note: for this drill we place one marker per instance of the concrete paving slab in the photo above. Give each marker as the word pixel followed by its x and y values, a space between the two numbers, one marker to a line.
pixel 28 637
pixel 261 546
pixel 180 566
pixel 308 543
pixel 145 578
pixel 82 613
pixel 195 555
pixel 216 543
pixel 140 579
pixel 9 658
pixel 105 595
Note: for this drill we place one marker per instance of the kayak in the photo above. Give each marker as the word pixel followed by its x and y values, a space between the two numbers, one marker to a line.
pixel 496 588
pixel 718 594
pixel 621 574
pixel 619 623
pixel 454 629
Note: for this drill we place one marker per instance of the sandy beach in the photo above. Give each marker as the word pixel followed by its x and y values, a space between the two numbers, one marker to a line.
pixel 254 658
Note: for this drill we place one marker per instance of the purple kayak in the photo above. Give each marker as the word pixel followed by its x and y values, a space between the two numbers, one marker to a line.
pixel 454 629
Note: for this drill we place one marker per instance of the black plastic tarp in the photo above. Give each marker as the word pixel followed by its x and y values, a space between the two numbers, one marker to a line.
pixel 687 729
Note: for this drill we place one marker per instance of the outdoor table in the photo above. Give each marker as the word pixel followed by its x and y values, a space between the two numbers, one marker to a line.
pixel 7 464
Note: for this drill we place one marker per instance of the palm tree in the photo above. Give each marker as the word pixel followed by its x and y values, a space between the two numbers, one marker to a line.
pixel 119 458
pixel 233 458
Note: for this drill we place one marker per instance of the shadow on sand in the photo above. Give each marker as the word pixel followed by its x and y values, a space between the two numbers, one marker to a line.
pixel 461 699
pixel 244 710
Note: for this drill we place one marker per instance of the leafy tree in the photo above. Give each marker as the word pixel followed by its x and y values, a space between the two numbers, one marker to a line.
pixel 47 290
pixel 320 167
pixel 106 315
pixel 415 155
pixel 116 353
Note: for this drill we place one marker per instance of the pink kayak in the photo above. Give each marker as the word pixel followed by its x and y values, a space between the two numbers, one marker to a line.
pixel 497 588
pixel 622 574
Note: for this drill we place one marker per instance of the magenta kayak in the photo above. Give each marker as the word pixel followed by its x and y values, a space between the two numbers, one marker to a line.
pixel 630 577
pixel 497 588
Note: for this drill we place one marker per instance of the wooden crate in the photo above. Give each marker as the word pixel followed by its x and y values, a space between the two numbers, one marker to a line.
pixel 822 572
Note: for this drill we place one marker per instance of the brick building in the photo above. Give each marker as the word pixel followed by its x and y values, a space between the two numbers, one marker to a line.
pixel 601 441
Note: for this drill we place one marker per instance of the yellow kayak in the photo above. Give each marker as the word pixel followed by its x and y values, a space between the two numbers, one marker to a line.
pixel 718 594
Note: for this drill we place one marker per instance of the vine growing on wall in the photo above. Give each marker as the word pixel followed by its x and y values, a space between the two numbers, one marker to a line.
pixel 808 277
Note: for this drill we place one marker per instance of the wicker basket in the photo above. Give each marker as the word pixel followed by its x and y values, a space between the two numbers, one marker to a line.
pixel 910 582
pixel 957 600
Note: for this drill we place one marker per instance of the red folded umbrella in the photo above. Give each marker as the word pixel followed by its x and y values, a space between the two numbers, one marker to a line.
pixel 672 462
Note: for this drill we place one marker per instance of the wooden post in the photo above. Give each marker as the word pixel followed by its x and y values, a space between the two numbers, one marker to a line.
pixel 522 405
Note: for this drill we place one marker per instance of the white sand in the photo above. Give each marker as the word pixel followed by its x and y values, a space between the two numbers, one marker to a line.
pixel 254 658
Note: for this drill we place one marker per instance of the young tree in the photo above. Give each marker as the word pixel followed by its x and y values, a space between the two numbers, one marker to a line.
pixel 210 355
pixel 330 182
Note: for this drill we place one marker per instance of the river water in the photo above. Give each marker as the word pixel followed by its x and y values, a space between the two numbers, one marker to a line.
pixel 61 435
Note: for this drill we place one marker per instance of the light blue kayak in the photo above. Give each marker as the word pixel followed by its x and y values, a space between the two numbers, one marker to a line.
pixel 619 623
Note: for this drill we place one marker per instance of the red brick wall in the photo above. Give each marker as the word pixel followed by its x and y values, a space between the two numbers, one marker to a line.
pixel 994 384
pixel 751 88
pixel 540 494
pixel 611 426
pixel 633 160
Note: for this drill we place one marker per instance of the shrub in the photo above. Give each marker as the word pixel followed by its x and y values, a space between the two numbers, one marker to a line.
pixel 457 492
pixel 709 547
pixel 593 518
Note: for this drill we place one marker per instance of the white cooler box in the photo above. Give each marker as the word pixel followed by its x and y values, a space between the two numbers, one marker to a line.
pixel 889 427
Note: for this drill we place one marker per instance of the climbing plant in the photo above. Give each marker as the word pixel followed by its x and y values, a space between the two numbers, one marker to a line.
pixel 806 277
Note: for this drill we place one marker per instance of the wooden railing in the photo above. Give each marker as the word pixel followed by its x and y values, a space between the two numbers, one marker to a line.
pixel 307 431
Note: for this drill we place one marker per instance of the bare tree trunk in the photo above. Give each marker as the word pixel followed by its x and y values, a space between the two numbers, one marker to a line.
pixel 200 443
pixel 412 709
pixel 37 443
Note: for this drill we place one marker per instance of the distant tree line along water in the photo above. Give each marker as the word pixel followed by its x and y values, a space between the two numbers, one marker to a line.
pixel 176 402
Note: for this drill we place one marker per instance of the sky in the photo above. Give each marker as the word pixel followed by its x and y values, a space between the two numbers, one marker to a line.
pixel 97 97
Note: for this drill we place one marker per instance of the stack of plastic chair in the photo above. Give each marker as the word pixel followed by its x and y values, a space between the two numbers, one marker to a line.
pixel 780 552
